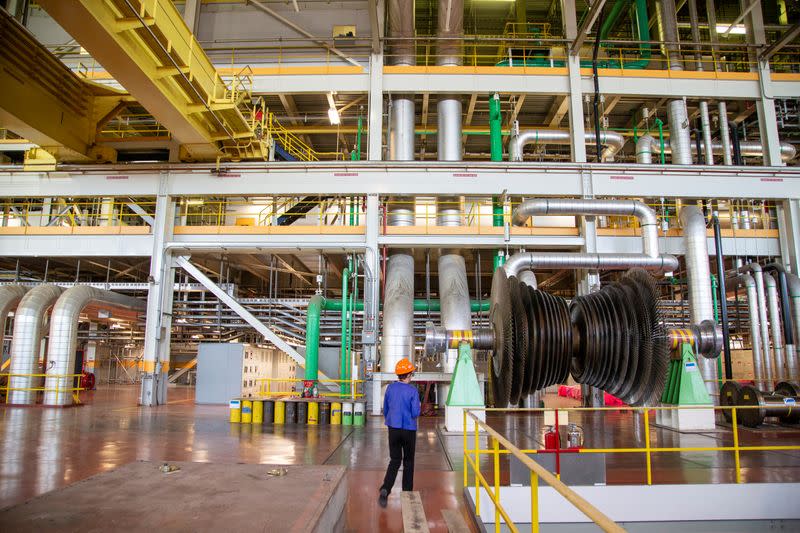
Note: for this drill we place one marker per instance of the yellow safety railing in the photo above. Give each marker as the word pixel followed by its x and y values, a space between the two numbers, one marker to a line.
pixel 58 389
pixel 270 387
pixel 331 211
pixel 537 471
pixel 71 212
pixel 472 456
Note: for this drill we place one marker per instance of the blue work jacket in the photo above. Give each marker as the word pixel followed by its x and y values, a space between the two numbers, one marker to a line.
pixel 401 406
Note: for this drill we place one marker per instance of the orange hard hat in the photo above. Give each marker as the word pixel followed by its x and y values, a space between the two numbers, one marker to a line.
pixel 404 366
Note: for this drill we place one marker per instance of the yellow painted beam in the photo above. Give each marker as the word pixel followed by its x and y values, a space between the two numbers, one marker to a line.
pixel 152 53
pixel 44 101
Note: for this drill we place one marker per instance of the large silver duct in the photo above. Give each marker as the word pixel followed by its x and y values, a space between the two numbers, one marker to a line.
pixel 668 32
pixel 612 140
pixel 705 124
pixel 10 295
pixel 574 261
pixel 755 328
pixel 29 324
pixel 775 328
pixel 725 136
pixel 793 285
pixel 397 340
pixel 454 293
pixel 758 276
pixel 64 336
pixel 646 146
pixel 633 208
pixel 448 54
pixel 528 277
pixel 401 123
pixel 680 139
pixel 701 303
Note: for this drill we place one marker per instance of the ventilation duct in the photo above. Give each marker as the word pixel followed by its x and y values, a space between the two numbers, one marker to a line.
pixel 401 124
pixel 612 140
pixel 758 275
pixel 64 336
pixel 29 327
pixel 701 305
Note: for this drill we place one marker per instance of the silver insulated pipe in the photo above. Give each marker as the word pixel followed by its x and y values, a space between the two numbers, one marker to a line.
pixel 588 261
pixel 397 340
pixel 680 139
pixel 401 32
pixel 766 351
pixel 792 366
pixel 725 135
pixel 775 328
pixel 10 295
pixel 64 336
pixel 755 328
pixel 701 303
pixel 646 146
pixel 705 124
pixel 448 54
pixel 633 208
pixel 613 141
pixel 29 327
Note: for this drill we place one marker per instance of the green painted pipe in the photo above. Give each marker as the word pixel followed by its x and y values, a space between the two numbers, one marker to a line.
pixel 343 354
pixel 419 305
pixel 661 137
pixel 315 305
pixel 496 149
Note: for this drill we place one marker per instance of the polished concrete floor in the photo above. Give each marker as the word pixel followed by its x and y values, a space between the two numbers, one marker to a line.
pixel 46 449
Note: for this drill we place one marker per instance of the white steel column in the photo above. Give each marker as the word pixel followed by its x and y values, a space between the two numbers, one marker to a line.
pixel 375 100
pixel 159 304
pixel 576 121
pixel 789 231
pixel 765 106
pixel 375 134
pixel 372 292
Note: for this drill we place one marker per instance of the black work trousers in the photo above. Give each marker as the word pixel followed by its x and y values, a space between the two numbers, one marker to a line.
pixel 402 443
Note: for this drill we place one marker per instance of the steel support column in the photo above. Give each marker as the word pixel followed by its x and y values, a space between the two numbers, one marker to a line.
pixel 789 231
pixel 375 124
pixel 158 326
pixel 765 105
pixel 576 121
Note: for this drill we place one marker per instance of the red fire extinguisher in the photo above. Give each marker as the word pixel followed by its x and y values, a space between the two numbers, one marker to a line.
pixel 550 438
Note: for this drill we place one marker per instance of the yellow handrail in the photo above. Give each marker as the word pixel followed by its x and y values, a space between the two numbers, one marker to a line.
pixel 537 471
pixel 265 387
pixel 75 391
pixel 647 449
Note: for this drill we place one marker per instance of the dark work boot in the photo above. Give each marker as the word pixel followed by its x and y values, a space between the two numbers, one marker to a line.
pixel 383 498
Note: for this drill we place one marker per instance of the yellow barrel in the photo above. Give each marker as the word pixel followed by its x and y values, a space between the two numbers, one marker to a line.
pixel 258 412
pixel 336 413
pixel 313 413
pixel 280 412
pixel 236 411
pixel 247 411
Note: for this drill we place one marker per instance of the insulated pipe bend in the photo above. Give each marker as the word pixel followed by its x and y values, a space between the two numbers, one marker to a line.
pixel 64 336
pixel 612 140
pixel 573 261
pixel 646 146
pixel 10 296
pixel 29 325
pixel 544 206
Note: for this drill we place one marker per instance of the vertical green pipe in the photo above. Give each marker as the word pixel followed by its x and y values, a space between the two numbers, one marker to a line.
pixel 498 260
pixel 313 315
pixel 343 354
pixel 353 301
pixel 661 137
pixel 496 149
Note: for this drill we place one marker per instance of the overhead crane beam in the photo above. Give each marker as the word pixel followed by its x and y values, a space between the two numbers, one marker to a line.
pixel 46 103
pixel 147 47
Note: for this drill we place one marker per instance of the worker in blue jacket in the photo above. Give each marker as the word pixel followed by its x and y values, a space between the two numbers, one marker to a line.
pixel 400 411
